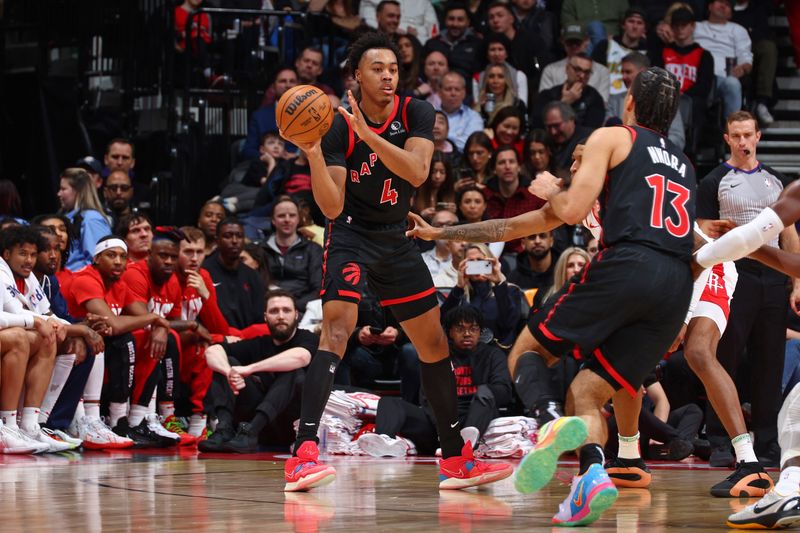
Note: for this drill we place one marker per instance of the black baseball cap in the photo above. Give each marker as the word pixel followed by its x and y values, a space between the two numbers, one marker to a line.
pixel 91 164
pixel 635 11
pixel 681 16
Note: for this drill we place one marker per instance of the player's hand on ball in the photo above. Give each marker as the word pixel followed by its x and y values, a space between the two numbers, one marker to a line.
pixel 545 185
pixel 419 228
pixel 309 149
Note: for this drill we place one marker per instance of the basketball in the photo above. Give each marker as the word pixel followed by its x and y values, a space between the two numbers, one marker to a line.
pixel 304 114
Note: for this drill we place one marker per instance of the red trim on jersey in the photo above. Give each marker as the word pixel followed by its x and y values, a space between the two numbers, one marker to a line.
pixel 406 299
pixel 405 109
pixel 614 374
pixel 576 353
pixel 549 334
pixel 20 282
pixel 350 294
pixel 392 115
pixel 630 129
pixel 350 138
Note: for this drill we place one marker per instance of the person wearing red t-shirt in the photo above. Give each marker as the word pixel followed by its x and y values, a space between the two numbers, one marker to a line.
pixel 200 38
pixel 199 304
pixel 154 281
pixel 100 296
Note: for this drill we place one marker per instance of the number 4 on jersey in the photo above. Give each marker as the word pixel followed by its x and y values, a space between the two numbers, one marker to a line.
pixel 657 218
pixel 388 194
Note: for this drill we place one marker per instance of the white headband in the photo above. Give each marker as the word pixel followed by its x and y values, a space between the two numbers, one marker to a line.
pixel 102 246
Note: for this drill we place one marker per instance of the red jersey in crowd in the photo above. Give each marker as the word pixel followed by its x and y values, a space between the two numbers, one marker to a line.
pixel 163 300
pixel 87 284
pixel 207 312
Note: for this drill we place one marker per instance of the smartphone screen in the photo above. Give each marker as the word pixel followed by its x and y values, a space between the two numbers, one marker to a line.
pixel 478 267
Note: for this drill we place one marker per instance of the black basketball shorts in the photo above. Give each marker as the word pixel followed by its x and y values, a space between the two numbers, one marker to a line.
pixel 619 315
pixel 381 256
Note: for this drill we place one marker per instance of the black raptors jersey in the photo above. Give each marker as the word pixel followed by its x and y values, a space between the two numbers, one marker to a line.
pixel 649 198
pixel 373 194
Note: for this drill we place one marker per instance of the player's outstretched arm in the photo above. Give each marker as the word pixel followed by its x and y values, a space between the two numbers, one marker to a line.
pixel 501 229
pixel 411 162
pixel 573 204
pixel 780 260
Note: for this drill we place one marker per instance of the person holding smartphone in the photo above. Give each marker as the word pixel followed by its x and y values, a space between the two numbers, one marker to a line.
pixel 482 285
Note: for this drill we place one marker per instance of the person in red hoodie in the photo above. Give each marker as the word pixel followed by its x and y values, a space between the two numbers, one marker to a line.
pixel 154 282
pixel 198 304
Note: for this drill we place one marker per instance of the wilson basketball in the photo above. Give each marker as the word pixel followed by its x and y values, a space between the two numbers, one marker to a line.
pixel 304 113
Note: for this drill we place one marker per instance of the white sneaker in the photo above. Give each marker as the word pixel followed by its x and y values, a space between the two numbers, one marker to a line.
pixel 154 424
pixel 63 437
pixel 763 114
pixel 98 436
pixel 13 441
pixel 378 445
pixel 53 445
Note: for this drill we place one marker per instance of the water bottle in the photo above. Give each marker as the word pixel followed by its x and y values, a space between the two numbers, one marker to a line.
pixel 489 105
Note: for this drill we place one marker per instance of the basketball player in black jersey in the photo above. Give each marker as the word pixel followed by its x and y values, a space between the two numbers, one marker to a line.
pixel 622 312
pixel 363 175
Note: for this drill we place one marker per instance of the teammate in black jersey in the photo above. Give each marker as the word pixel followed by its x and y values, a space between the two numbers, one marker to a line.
pixel 623 311
pixel 363 175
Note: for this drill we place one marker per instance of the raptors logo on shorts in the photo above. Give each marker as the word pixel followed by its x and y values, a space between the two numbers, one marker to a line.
pixel 715 302
pixel 351 273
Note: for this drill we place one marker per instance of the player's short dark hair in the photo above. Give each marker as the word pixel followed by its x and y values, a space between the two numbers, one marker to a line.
pixel 279 293
pixel 121 140
pixel 18 235
pixel 455 5
pixel 440 113
pixel 229 221
pixel 638 59
pixel 656 94
pixel 383 4
pixel 504 148
pixel 496 38
pixel 125 222
pixel 368 41
pixel 740 116
pixel 37 220
pixel 500 3
pixel 463 314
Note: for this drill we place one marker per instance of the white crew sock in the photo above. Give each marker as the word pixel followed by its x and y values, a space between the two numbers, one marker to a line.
pixel 116 410
pixel 30 419
pixel 628 447
pixel 137 414
pixel 741 241
pixel 197 423
pixel 61 370
pixel 9 418
pixel 79 411
pixel 743 447
pixel 94 384
pixel 789 482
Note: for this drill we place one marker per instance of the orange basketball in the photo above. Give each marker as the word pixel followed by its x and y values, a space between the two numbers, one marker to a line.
pixel 304 113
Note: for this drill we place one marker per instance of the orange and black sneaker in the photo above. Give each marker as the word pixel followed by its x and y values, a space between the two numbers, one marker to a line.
pixel 628 473
pixel 749 480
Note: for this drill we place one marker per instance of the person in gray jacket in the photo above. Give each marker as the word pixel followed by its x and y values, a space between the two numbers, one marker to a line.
pixel 295 263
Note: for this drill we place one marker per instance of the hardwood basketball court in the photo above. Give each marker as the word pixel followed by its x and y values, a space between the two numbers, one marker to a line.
pixel 182 491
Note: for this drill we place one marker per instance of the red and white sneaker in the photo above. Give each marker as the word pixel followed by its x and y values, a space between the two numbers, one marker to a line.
pixel 464 471
pixel 304 472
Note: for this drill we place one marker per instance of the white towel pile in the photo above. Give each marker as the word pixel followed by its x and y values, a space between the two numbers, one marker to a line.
pixel 508 436
pixel 344 415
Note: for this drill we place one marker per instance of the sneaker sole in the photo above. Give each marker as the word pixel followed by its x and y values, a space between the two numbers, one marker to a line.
pixel 455 483
pixel 602 500
pixel 312 481
pixel 18 451
pixel 781 523
pixel 641 481
pixel 376 447
pixel 742 489
pixel 107 445
pixel 538 467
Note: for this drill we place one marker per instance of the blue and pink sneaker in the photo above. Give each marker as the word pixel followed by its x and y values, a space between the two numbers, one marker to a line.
pixel 590 495
pixel 304 472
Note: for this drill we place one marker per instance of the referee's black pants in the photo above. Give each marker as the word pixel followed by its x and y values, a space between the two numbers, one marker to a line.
pixel 757 323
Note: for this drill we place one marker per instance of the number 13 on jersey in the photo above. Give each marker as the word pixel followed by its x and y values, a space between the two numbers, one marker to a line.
pixel 661 186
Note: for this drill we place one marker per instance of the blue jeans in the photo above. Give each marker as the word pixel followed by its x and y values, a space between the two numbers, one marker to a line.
pixel 791 361
pixel 596 31
pixel 730 90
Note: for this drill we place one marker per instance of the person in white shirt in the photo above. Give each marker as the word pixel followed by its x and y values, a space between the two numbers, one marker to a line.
pixel 730 45
pixel 418 16
pixel 439 259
